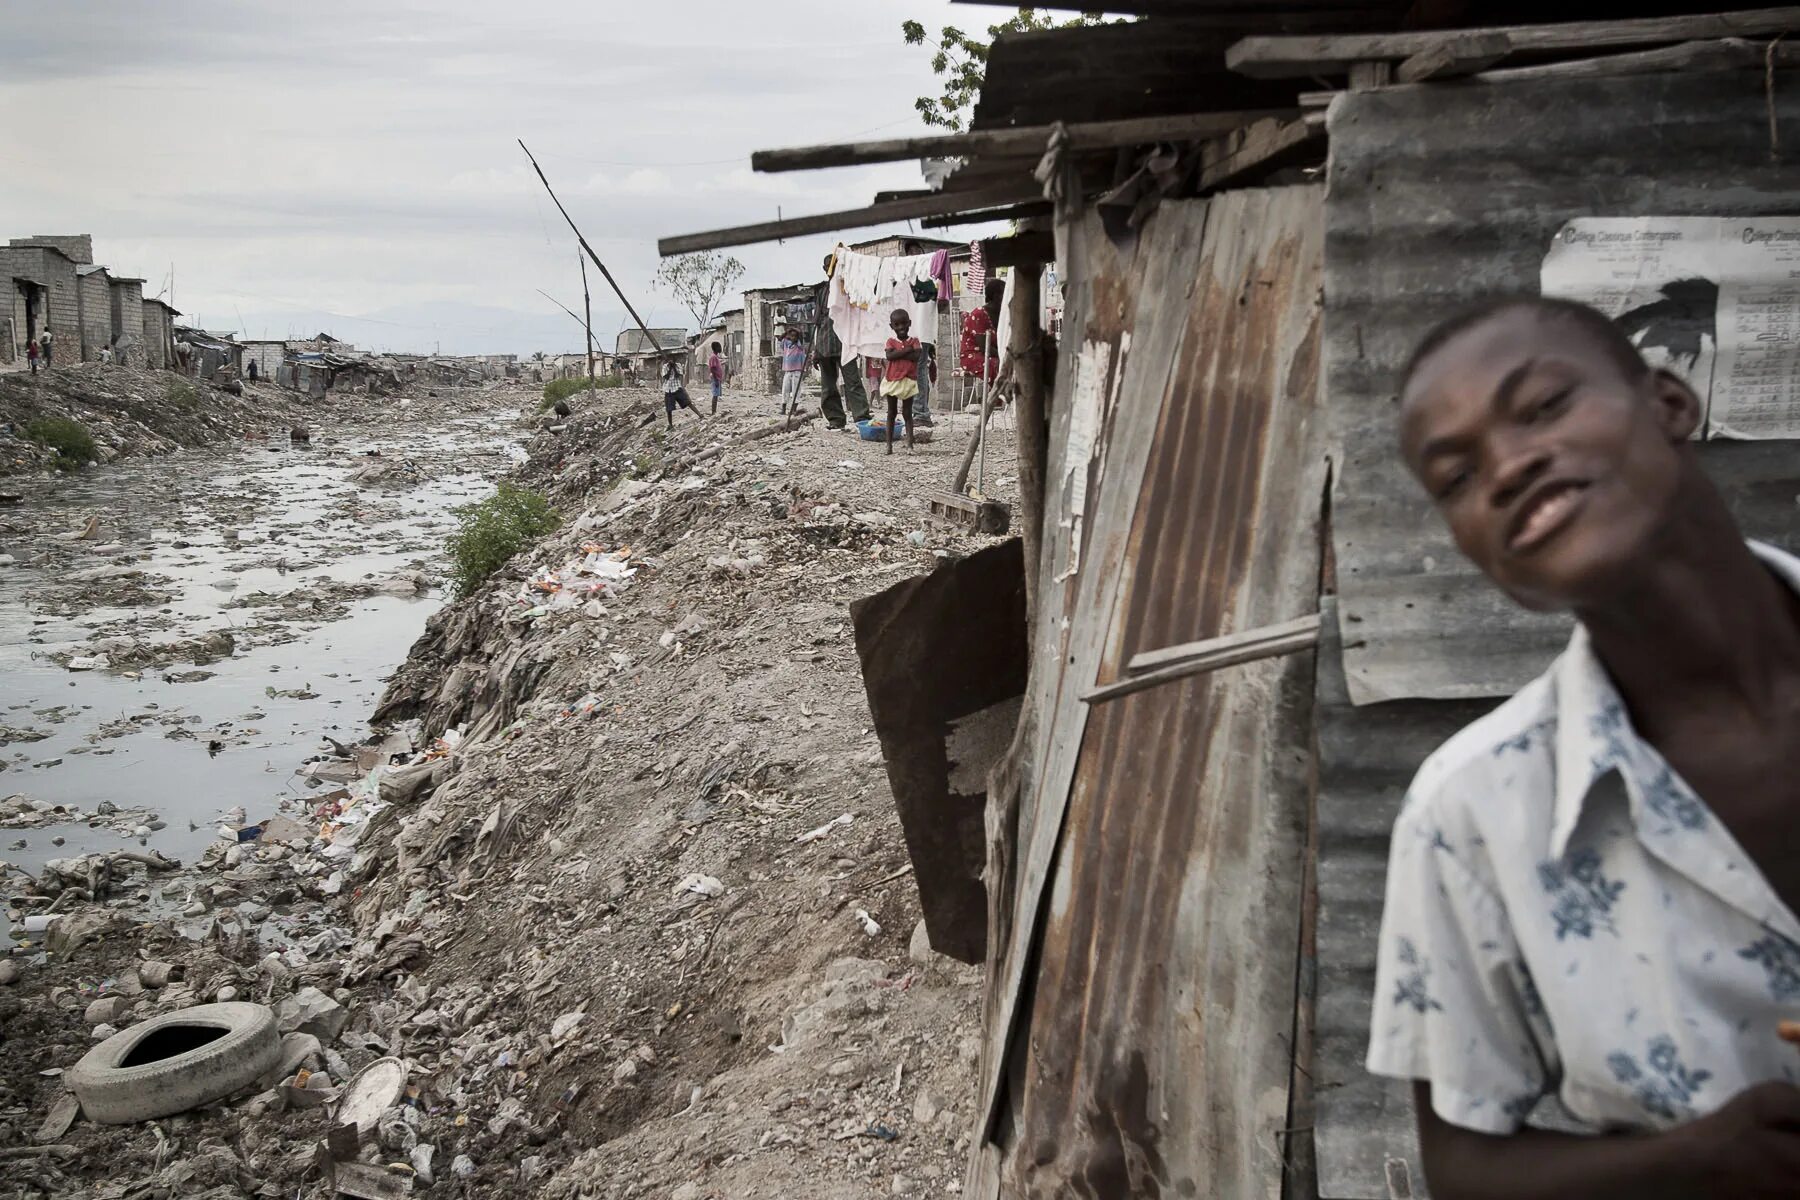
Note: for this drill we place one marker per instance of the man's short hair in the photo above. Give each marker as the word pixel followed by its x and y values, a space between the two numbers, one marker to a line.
pixel 715 347
pixel 1590 321
pixel 900 312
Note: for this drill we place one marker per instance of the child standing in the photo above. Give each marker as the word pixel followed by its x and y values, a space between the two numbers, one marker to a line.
pixel 31 353
pixel 793 369
pixel 900 383
pixel 674 394
pixel 715 369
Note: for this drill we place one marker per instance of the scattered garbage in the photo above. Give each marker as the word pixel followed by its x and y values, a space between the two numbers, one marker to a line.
pixel 703 885
pixel 813 835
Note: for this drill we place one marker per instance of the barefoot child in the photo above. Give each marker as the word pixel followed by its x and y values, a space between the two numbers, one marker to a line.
pixel 900 383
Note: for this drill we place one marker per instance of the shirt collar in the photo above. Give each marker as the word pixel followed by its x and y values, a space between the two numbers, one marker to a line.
pixel 1593 731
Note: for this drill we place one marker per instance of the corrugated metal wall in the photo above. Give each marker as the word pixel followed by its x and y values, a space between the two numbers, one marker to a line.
pixel 1444 194
pixel 1164 833
pixel 1438 196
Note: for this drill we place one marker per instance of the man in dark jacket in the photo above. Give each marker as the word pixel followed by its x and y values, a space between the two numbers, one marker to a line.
pixel 828 352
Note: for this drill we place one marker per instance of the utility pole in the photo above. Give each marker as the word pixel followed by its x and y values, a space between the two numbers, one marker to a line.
pixel 587 309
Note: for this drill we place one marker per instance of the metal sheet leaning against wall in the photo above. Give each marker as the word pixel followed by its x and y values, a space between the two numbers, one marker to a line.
pixel 1157 1017
pixel 1441 195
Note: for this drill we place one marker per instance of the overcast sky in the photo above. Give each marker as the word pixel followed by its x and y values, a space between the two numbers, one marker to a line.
pixel 356 158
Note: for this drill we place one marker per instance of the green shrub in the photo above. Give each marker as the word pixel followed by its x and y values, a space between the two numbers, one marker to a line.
pixel 562 389
pixel 492 531
pixel 73 444
pixel 183 395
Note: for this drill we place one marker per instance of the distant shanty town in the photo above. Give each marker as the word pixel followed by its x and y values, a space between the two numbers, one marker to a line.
pixel 51 283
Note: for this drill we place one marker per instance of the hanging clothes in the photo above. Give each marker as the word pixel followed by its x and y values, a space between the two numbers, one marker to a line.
pixel 865 291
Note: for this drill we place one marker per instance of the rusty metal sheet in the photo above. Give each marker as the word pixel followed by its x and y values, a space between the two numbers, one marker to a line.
pixel 1367 757
pixel 1156 1022
pixel 944 664
pixel 1441 195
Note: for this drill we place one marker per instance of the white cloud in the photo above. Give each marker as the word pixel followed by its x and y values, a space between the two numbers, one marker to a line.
pixel 362 158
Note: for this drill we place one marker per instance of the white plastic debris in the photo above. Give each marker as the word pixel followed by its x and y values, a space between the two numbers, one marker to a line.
pixel 703 885
pixel 869 924
pixel 813 835
pixel 87 662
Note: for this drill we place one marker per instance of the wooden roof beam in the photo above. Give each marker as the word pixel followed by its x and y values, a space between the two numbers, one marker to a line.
pixel 934 205
pixel 1334 54
pixel 1020 141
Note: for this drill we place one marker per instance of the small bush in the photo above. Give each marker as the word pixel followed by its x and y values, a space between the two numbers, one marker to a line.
pixel 492 531
pixel 562 389
pixel 183 395
pixel 73 444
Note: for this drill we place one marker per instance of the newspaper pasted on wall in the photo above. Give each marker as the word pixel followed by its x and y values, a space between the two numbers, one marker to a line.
pixel 1715 299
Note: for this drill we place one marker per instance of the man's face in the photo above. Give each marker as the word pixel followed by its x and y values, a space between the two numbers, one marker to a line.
pixel 1555 471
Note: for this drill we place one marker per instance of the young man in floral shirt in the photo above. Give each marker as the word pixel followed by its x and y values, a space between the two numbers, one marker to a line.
pixel 1591 901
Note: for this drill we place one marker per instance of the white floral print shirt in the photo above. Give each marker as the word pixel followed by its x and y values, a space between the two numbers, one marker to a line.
pixel 1566 918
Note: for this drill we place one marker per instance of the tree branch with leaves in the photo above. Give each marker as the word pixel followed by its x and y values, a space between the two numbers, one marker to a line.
pixel 698 282
pixel 961 62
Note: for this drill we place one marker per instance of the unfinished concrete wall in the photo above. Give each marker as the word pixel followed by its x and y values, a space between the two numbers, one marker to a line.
pixel 128 320
pixel 267 356
pixel 93 303
pixel 76 247
pixel 159 332
pixel 54 271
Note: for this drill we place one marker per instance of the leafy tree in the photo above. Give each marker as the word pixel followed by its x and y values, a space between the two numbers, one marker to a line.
pixel 961 61
pixel 699 281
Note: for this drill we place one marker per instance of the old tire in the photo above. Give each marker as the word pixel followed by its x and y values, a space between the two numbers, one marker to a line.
pixel 243 1046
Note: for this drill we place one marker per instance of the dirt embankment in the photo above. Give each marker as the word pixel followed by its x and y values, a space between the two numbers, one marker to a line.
pixel 649 928
pixel 131 410
pixel 632 852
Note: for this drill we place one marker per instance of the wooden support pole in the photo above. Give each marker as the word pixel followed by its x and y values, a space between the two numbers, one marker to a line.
pixel 1030 411
pixel 587 308
pixel 617 291
pixel 936 204
pixel 1228 159
pixel 1015 212
pixel 1023 140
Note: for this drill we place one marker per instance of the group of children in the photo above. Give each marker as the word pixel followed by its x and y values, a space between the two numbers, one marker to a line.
pixel 906 356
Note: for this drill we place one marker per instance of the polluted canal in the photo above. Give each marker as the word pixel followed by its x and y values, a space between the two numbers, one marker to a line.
pixel 183 638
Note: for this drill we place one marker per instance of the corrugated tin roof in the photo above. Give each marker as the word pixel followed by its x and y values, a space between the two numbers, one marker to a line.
pixel 1445 194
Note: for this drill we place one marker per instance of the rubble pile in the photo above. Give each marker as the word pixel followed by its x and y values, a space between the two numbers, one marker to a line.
pixel 133 410
pixel 621 888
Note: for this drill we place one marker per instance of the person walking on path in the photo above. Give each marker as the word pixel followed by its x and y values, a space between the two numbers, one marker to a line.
pixel 900 383
pixel 47 345
pixel 828 352
pixel 715 370
pixel 31 353
pixel 674 395
pixel 793 369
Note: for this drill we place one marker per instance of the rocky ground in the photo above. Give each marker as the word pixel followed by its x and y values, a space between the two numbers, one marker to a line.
pixel 132 411
pixel 619 878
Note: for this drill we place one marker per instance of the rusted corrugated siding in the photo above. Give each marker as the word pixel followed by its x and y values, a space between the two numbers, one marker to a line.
pixel 1441 195
pixel 1156 1016
pixel 1367 757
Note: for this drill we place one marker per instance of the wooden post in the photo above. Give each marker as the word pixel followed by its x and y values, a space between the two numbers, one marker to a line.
pixel 1033 439
pixel 617 291
pixel 587 309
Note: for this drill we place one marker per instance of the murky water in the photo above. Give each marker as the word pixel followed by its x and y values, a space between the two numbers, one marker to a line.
pixel 272 543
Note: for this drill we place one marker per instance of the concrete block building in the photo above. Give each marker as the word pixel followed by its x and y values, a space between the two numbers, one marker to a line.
pixel 93 303
pixel 128 321
pixel 38 286
pixel 158 318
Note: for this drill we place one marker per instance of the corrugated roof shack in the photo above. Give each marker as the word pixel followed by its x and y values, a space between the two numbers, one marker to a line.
pixel 1233 676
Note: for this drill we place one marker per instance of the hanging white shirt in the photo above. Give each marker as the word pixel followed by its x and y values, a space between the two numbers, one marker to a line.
pixel 1566 917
